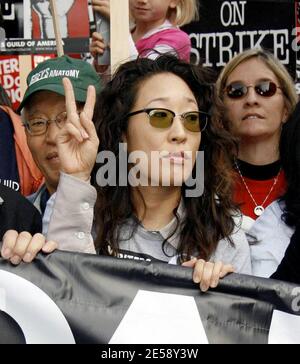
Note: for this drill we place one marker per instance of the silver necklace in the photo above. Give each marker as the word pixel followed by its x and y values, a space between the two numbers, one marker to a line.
pixel 259 209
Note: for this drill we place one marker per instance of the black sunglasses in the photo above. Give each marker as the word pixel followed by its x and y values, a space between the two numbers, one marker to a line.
pixel 237 90
pixel 194 121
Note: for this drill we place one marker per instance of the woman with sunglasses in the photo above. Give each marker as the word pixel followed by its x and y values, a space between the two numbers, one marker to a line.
pixel 155 108
pixel 255 96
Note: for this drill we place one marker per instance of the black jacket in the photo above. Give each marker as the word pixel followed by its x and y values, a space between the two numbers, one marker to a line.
pixel 17 213
pixel 289 268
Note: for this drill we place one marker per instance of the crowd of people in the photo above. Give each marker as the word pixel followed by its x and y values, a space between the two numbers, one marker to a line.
pixel 237 138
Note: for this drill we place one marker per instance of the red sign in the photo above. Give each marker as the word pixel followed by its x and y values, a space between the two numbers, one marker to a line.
pixel 10 76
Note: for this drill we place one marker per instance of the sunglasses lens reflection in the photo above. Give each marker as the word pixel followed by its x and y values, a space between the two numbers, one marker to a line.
pixel 237 90
pixel 161 118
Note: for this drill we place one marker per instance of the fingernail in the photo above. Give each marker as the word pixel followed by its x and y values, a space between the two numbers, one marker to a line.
pixel 27 258
pixel 196 279
pixel 15 260
pixel 203 287
pixel 46 249
pixel 214 284
pixel 84 134
pixel 7 253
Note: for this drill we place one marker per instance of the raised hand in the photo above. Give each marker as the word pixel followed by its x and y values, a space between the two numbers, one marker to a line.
pixel 102 7
pixel 42 7
pixel 77 141
pixel 97 46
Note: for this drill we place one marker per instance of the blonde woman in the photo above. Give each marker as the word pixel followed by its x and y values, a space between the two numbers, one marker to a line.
pixel 255 97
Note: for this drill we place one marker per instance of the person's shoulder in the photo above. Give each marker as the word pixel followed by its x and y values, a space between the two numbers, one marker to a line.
pixel 17 213
pixel 6 192
pixel 237 240
pixel 276 208
pixel 4 114
pixel 234 250
pixel 14 198
pixel 270 227
pixel 271 216
pixel 174 32
pixel 32 198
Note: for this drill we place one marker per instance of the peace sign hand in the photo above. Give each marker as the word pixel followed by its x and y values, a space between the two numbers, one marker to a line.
pixel 77 141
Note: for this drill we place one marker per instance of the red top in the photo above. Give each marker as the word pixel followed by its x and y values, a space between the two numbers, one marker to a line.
pixel 259 190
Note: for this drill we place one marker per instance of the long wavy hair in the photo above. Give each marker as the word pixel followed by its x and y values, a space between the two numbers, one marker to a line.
pixel 290 159
pixel 209 217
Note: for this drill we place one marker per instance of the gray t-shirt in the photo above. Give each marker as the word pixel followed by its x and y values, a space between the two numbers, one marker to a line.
pixel 137 243
pixel 72 219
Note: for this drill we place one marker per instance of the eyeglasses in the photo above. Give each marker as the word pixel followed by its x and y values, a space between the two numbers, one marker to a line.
pixel 39 126
pixel 194 121
pixel 237 90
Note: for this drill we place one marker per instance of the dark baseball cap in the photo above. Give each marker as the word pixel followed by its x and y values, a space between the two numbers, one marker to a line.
pixel 48 76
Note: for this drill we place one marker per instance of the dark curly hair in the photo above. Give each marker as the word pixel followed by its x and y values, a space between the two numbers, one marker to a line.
pixel 209 217
pixel 290 159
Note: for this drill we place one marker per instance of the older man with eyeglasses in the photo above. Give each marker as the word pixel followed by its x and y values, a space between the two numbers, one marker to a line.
pixel 43 112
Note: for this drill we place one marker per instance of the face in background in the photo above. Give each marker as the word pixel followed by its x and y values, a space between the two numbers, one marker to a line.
pixel 255 116
pixel 45 105
pixel 164 90
pixel 151 10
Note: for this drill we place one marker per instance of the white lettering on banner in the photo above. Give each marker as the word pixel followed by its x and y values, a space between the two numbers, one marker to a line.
pixel 2 299
pixel 46 43
pixel 284 329
pixel 9 66
pixel 30 43
pixel 280 40
pixel 8 11
pixel 39 318
pixel 234 11
pixel 296 300
pixel 226 48
pixel 15 94
pixel 11 184
pixel 224 42
pixel 178 323
pixel 8 81
pixel 296 41
pixel 16 44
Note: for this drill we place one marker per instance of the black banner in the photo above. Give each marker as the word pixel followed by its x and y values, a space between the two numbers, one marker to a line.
pixel 109 300
pixel 226 28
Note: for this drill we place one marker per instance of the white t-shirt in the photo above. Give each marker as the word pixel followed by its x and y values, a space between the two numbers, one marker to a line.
pixel 269 238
